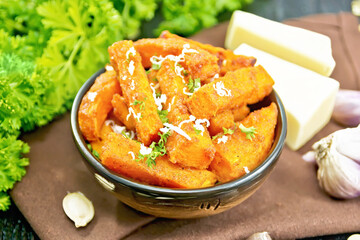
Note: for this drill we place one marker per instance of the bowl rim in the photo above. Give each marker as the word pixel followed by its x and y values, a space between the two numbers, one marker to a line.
pixel 163 191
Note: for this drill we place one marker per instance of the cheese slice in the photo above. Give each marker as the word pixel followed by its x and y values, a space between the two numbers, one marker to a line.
pixel 308 97
pixel 302 47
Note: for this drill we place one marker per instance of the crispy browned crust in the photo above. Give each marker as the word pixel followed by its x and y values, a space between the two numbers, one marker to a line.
pixel 247 85
pixel 121 112
pixel 197 152
pixel 136 87
pixel 227 60
pixel 115 156
pixel 201 65
pixel 92 114
pixel 222 120
pixel 240 113
pixel 239 152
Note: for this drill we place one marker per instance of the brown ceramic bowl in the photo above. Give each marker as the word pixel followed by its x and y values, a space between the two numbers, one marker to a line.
pixel 180 203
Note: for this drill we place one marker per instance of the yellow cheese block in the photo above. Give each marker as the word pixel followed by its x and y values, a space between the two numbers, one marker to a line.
pixel 308 97
pixel 302 47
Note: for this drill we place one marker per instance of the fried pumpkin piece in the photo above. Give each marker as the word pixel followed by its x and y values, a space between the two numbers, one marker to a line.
pixel 121 112
pixel 222 120
pixel 195 150
pixel 243 86
pixel 199 64
pixel 240 113
pixel 104 133
pixel 239 155
pixel 227 60
pixel 96 104
pixel 136 90
pixel 120 155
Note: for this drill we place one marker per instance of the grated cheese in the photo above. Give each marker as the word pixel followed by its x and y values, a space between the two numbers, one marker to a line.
pixel 130 51
pixel 185 92
pixel 200 127
pixel 158 100
pixel 132 155
pixel 171 103
pixel 164 130
pixel 91 96
pixel 109 68
pixel 132 85
pixel 221 90
pixel 145 150
pixel 214 77
pixel 191 119
pixel 116 128
pixel 223 139
pixel 179 58
pixel 131 67
pixel 124 77
pixel 136 116
pixel 178 130
pixel 246 169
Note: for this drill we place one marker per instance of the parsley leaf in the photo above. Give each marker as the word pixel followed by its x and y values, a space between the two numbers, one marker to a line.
pixel 228 131
pixel 12 167
pixel 193 85
pixel 250 131
pixel 141 103
pixel 156 66
pixel 186 17
pixel 197 131
pixel 158 149
pixel 163 116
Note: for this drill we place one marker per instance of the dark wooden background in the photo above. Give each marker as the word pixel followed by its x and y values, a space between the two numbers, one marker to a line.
pixel 13 225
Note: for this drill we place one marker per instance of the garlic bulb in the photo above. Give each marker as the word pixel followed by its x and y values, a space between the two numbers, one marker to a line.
pixel 338 157
pixel 78 208
pixel 347 108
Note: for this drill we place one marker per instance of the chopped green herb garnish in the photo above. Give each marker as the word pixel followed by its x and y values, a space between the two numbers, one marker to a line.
pixel 228 131
pixel 163 116
pixel 148 71
pixel 250 131
pixel 141 103
pixel 156 66
pixel 158 94
pixel 197 131
pixel 193 84
pixel 158 149
pixel 125 134
pixel 185 73
pixel 95 153
pixel 216 136
pixel 89 146
pixel 128 57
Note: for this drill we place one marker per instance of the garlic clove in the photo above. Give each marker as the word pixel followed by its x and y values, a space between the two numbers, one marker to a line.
pixel 347 108
pixel 354 237
pixel 78 208
pixel 350 144
pixel 310 157
pixel 338 174
pixel 259 236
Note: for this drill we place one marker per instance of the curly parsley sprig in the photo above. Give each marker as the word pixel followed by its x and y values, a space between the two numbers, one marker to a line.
pixel 157 149
pixel 226 131
pixel 250 131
